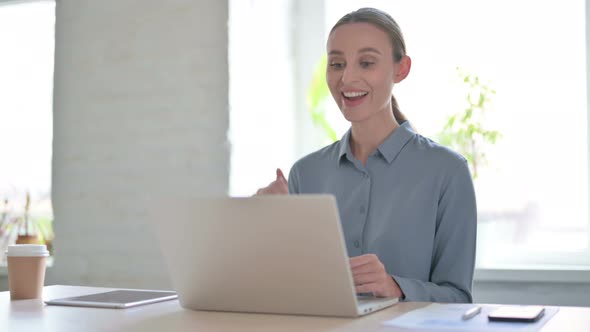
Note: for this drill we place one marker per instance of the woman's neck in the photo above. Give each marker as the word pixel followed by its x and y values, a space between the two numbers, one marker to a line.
pixel 368 135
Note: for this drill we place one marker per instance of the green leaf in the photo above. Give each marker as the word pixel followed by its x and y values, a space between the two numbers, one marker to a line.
pixel 467 115
pixel 318 88
pixel 482 99
pixel 465 131
pixel 317 93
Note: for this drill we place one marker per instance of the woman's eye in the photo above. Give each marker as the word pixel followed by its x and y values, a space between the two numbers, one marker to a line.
pixel 336 65
pixel 366 64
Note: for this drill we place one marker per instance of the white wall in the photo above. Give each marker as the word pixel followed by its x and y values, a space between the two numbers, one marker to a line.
pixel 140 107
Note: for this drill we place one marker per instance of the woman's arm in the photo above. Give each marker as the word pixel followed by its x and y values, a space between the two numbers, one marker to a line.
pixel 453 261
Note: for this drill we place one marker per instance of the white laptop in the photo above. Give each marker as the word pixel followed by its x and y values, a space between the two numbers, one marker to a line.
pixel 265 254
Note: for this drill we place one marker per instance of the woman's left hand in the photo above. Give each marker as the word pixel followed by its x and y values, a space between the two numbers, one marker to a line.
pixel 370 277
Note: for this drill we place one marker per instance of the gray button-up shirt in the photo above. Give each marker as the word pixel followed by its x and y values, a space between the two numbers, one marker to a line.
pixel 413 205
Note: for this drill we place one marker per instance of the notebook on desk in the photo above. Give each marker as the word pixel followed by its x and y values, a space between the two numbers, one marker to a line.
pixel 266 254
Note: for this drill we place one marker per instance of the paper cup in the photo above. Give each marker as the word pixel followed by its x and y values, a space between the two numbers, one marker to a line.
pixel 26 270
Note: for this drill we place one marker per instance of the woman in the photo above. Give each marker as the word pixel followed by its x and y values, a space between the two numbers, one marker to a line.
pixel 407 204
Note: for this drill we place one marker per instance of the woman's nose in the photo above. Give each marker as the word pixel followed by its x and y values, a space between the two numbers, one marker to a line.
pixel 349 74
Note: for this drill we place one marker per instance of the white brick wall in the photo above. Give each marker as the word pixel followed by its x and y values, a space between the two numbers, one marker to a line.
pixel 140 107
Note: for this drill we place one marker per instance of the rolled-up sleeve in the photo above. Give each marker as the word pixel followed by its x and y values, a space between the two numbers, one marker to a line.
pixel 453 260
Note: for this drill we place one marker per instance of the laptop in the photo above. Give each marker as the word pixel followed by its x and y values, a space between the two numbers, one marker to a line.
pixel 281 254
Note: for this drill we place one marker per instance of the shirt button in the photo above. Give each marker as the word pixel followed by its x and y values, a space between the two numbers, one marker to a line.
pixel 357 244
pixel 362 209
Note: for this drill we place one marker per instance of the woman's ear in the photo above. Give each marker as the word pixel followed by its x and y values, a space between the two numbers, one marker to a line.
pixel 403 69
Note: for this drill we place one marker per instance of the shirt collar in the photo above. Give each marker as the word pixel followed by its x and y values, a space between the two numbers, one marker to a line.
pixel 345 147
pixel 389 149
pixel 394 144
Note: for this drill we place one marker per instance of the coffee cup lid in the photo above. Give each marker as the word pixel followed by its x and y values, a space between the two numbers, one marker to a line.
pixel 28 250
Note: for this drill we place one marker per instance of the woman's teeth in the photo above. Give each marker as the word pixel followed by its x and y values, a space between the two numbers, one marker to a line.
pixel 354 94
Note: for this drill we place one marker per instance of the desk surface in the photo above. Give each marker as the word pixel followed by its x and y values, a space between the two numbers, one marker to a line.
pixel 33 315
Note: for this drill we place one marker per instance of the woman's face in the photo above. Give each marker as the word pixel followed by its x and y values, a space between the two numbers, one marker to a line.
pixel 361 71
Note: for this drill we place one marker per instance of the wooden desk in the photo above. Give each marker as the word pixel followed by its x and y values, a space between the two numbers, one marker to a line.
pixel 33 315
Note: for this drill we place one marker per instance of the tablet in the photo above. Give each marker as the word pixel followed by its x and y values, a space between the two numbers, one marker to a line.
pixel 117 299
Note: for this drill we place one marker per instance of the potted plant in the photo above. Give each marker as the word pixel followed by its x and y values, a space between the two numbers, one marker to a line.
pixel 21 226
pixel 465 131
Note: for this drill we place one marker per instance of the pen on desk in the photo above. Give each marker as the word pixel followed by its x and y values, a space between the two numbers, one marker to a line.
pixel 472 312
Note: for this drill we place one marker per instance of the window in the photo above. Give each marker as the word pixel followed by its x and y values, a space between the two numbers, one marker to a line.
pixel 532 191
pixel 26 87
pixel 261 93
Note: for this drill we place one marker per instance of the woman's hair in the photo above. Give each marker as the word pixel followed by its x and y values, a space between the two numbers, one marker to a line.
pixel 385 22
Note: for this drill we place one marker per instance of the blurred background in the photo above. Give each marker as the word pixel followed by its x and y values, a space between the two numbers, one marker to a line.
pixel 152 97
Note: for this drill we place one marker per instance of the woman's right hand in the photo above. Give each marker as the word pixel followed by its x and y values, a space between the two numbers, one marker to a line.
pixel 279 186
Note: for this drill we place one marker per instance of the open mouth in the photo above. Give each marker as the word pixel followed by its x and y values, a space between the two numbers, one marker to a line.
pixel 353 98
pixel 354 95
